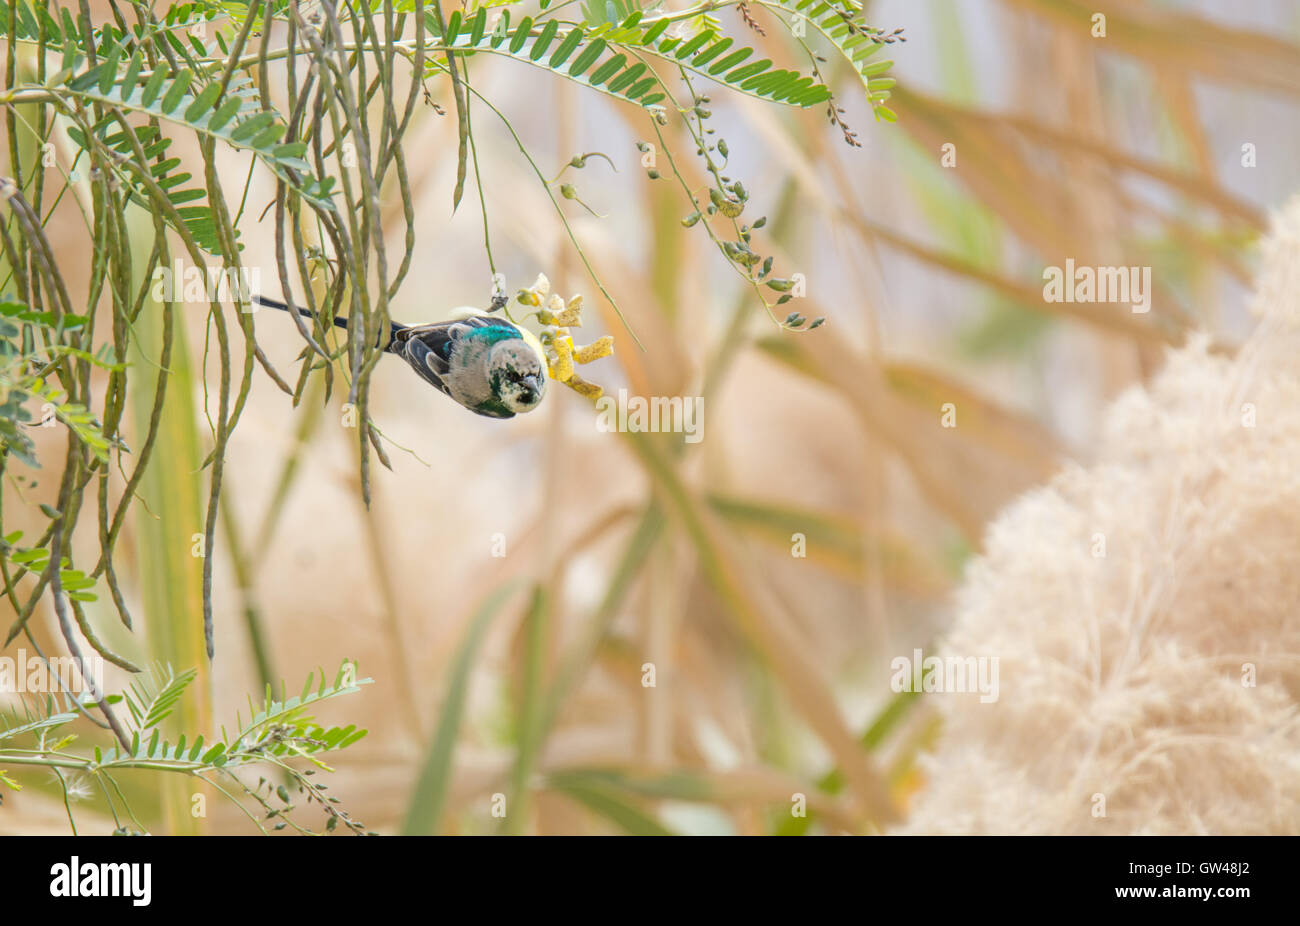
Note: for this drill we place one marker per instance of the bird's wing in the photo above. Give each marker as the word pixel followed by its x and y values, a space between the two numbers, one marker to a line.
pixel 424 361
pixel 428 348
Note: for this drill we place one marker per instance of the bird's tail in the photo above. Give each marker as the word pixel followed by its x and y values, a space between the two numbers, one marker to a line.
pixel 339 321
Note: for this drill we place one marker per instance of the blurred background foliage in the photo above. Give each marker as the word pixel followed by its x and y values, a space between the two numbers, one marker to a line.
pixel 519 681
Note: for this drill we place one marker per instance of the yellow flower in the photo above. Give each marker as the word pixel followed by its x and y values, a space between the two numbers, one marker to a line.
pixel 536 294
pixel 556 317
pixel 562 349
pixel 570 315
pixel 594 351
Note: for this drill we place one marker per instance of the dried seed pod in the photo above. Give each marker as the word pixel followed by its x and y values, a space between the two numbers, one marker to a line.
pixel 584 388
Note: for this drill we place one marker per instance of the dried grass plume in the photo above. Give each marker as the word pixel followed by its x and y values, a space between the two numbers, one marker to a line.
pixel 1146 612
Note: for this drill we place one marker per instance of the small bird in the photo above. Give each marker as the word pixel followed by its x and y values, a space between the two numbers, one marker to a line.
pixel 486 364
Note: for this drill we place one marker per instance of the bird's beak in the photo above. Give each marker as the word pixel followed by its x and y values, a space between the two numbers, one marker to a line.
pixel 533 385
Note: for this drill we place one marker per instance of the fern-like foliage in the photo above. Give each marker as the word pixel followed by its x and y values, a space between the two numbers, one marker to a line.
pixel 278 727
pixel 196 101
pixel 579 53
pixel 606 12
pixel 29 339
pixel 278 730
pixel 74 583
pixel 32 723
pixel 853 40
pixel 151 700
pixel 31 22
pixel 191 97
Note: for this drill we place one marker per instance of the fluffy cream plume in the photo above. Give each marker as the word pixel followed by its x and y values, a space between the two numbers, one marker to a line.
pixel 1145 611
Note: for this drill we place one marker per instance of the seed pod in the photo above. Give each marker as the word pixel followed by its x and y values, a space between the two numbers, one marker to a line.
pixel 584 388
pixel 759 222
pixel 817 323
pixel 781 285
pixel 581 159
pixel 728 208
pixel 722 148
pixel 690 220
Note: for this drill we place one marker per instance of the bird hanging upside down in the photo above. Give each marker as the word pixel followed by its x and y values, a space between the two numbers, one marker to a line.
pixel 486 364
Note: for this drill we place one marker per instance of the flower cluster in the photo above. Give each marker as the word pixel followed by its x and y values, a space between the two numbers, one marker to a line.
pixel 557 317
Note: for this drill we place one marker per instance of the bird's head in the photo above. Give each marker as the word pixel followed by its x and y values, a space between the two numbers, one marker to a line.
pixel 516 374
